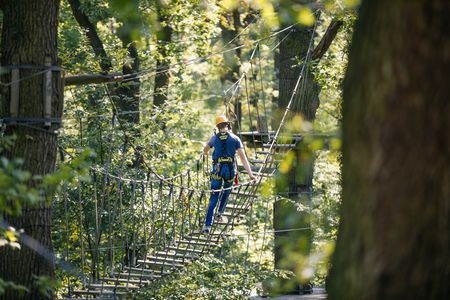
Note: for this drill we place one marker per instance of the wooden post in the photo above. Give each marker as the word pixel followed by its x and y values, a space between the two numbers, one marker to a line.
pixel 48 89
pixel 14 103
pixel 61 83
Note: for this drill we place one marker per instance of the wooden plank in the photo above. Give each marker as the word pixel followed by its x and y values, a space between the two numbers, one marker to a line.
pixel 204 239
pixel 244 194
pixel 232 215
pixel 112 286
pixel 96 292
pixel 147 271
pixel 227 222
pixel 92 78
pixel 219 234
pixel 163 264
pixel 235 207
pixel 137 275
pixel 184 250
pixel 197 243
pixel 124 280
pixel 261 174
pixel 250 136
pixel 264 152
pixel 177 255
pixel 283 146
pixel 168 259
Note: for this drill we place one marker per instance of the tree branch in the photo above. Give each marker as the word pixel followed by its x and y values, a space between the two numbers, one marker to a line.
pixel 327 39
pixel 92 79
pixel 92 35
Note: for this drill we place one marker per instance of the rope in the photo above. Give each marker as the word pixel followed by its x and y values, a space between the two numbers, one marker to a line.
pixel 175 199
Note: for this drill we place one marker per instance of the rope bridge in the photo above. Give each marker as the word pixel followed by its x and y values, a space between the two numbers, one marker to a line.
pixel 138 230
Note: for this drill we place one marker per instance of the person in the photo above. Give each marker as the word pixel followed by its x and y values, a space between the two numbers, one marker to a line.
pixel 225 145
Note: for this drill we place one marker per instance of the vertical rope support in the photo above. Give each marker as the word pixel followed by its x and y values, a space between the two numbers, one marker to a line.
pixel 133 216
pixel 265 231
pixel 198 217
pixel 111 220
pixel 95 259
pixel 153 213
pixel 80 201
pixel 247 253
pixel 191 225
pixel 263 94
pixel 180 209
pixel 123 230
pixel 172 200
pixel 249 111
pixel 161 209
pixel 143 220
pixel 66 224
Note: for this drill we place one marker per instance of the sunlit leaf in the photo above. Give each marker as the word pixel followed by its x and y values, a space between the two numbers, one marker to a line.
pixel 305 16
pixel 352 3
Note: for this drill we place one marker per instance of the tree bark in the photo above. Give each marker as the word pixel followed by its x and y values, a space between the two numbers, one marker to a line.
pixel 394 235
pixel 162 78
pixel 326 40
pixel 127 93
pixel 29 35
pixel 294 46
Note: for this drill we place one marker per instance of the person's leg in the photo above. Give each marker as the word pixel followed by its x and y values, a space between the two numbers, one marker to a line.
pixel 215 185
pixel 225 195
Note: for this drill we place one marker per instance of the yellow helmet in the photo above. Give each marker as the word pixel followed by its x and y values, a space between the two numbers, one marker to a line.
pixel 221 119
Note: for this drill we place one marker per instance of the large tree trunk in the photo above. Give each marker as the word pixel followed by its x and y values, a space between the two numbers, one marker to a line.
pixel 29 35
pixel 299 179
pixel 394 235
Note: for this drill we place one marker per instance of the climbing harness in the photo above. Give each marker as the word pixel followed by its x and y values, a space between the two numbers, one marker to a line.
pixel 224 167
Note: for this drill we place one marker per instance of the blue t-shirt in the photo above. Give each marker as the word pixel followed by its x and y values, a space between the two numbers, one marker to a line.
pixel 233 143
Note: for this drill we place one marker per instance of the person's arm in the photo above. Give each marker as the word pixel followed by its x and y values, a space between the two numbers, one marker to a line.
pixel 245 162
pixel 206 149
pixel 208 146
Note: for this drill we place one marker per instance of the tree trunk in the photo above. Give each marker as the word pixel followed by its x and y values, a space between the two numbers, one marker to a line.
pixel 162 78
pixel 299 179
pixel 230 30
pixel 29 35
pixel 394 235
pixel 125 94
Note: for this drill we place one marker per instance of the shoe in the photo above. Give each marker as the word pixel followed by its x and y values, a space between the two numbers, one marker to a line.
pixel 220 218
pixel 206 229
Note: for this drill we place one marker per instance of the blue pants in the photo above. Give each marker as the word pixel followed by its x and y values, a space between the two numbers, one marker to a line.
pixel 215 185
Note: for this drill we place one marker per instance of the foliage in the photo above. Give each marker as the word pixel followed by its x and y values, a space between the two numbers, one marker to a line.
pixel 21 290
pixel 17 192
pixel 235 271
pixel 169 138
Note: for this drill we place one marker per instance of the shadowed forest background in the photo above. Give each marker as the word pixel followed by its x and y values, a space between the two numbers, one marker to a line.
pixel 106 105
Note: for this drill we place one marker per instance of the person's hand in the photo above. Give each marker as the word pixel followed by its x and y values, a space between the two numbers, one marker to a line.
pixel 252 177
